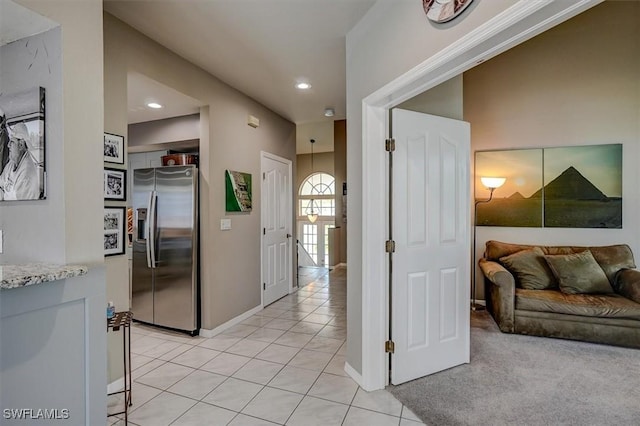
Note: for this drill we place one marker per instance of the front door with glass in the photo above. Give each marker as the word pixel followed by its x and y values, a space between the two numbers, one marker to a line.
pixel 316 200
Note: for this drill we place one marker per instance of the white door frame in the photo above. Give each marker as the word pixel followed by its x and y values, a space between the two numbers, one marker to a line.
pixel 289 163
pixel 515 25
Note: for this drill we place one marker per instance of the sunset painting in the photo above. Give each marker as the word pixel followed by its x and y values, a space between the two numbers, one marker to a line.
pixel 568 187
pixel 512 204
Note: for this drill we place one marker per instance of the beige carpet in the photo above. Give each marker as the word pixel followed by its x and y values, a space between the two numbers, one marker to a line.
pixel 525 380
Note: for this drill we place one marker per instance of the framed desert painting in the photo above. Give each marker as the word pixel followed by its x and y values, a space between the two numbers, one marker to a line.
pixel 518 202
pixel 564 187
pixel 583 186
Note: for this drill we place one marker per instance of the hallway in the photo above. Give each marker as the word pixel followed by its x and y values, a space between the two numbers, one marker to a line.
pixel 284 365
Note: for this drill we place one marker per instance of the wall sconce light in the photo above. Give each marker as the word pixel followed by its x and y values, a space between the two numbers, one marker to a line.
pixel 491 183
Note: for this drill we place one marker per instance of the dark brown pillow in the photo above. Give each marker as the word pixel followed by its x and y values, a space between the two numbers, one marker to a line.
pixel 578 273
pixel 530 269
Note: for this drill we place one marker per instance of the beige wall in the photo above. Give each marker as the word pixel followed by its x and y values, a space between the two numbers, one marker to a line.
pixel 576 84
pixel 74 210
pixel 340 173
pixel 393 38
pixel 444 100
pixel 117 267
pixel 322 162
pixel 230 267
pixel 72 215
pixel 28 224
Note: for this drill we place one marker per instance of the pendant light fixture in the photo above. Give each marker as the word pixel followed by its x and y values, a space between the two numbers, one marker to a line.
pixel 312 214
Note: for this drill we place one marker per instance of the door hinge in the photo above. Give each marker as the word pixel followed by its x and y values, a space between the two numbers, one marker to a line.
pixel 264 286
pixel 264 231
pixel 390 145
pixel 389 346
pixel 264 175
pixel 390 246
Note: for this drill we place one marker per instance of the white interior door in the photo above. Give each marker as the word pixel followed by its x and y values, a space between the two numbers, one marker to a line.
pixel 430 226
pixel 276 228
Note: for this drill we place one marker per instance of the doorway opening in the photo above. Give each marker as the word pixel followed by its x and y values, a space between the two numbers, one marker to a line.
pixel 517 24
pixel 316 193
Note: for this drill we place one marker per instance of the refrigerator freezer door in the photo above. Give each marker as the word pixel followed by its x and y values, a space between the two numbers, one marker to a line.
pixel 175 290
pixel 142 275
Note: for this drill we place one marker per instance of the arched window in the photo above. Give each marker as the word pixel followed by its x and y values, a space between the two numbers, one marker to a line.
pixel 317 189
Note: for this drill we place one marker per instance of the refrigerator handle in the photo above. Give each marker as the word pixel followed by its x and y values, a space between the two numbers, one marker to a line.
pixel 151 230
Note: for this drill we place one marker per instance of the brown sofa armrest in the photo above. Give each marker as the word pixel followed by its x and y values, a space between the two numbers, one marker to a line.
pixel 500 294
pixel 627 284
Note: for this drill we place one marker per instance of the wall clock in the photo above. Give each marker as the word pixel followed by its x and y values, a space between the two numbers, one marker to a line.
pixel 440 11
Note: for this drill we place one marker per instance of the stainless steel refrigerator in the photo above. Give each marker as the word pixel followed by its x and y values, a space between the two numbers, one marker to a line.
pixel 165 247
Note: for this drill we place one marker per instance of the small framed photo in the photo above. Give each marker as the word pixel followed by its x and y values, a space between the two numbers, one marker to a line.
pixel 115 184
pixel 114 224
pixel 113 148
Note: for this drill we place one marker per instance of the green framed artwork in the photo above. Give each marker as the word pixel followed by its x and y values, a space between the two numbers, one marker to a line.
pixel 237 191
pixel 564 187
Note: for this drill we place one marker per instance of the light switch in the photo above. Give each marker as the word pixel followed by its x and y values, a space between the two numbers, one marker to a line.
pixel 225 224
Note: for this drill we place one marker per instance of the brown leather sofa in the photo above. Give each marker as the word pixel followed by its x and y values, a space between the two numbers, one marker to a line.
pixel 544 308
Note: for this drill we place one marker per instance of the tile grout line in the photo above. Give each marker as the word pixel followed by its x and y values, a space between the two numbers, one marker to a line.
pixel 286 315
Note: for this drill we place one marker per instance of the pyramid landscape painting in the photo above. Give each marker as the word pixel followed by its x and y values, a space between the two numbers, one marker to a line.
pixel 568 187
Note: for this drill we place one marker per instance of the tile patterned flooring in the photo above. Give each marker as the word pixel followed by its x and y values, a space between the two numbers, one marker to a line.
pixel 283 366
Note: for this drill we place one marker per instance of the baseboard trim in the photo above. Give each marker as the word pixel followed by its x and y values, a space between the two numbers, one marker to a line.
pixel 116 385
pixel 227 325
pixel 357 377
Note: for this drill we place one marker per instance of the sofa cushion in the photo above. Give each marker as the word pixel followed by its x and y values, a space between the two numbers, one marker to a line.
pixel 627 284
pixel 610 258
pixel 494 250
pixel 578 273
pixel 530 269
pixel 589 305
pixel 613 258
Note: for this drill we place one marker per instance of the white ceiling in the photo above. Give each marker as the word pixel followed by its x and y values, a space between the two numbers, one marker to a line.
pixel 260 47
pixel 141 90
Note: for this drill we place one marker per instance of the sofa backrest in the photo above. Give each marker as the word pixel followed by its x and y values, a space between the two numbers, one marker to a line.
pixel 610 258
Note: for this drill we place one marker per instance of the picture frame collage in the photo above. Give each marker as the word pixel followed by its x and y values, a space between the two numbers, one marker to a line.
pixel 114 190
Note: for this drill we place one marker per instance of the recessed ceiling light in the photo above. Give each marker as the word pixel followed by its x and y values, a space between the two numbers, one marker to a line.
pixel 303 85
pixel 329 112
pixel 154 105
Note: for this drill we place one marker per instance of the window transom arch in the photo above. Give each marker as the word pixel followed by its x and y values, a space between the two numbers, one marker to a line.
pixel 317 190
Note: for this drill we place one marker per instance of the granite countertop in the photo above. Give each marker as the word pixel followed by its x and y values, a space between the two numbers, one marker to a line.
pixel 13 276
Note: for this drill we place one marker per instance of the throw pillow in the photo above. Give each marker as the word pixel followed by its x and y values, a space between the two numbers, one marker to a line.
pixel 578 273
pixel 530 269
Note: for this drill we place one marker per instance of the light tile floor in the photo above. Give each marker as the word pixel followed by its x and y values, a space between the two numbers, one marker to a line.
pixel 284 365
